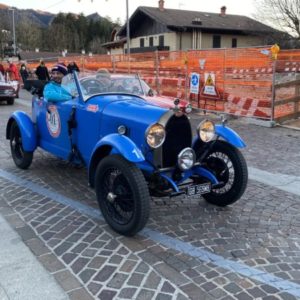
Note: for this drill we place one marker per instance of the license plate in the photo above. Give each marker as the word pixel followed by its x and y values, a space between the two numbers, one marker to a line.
pixel 198 189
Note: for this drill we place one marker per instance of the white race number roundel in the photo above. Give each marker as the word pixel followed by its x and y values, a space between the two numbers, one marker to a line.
pixel 53 121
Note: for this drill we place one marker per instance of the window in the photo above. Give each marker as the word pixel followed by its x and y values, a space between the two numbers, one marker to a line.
pixel 216 41
pixel 151 41
pixel 161 41
pixel 234 43
pixel 142 42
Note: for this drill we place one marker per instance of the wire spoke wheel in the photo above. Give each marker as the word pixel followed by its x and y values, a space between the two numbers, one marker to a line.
pixel 21 157
pixel 118 197
pixel 223 169
pixel 229 166
pixel 122 194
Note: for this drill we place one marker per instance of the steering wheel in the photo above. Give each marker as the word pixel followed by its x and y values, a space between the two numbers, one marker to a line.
pixel 93 86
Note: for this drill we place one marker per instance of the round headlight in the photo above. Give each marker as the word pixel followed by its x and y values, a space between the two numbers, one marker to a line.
pixel 155 135
pixel 186 159
pixel 206 131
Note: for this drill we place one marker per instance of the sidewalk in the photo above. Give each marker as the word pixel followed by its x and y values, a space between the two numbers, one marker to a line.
pixel 22 276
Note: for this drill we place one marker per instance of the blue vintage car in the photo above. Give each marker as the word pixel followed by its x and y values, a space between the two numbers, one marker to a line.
pixel 132 149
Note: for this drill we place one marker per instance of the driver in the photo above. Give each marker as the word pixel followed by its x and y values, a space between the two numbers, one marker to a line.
pixel 104 77
pixel 53 91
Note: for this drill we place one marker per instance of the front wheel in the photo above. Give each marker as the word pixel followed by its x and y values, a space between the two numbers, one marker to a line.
pixel 21 158
pixel 122 194
pixel 229 166
pixel 10 101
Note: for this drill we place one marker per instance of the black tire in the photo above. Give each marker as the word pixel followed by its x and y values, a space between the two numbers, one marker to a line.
pixel 229 166
pixel 122 194
pixel 21 158
pixel 10 101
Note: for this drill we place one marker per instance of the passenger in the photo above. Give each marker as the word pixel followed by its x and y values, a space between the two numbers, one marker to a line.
pixel 53 91
pixel 2 71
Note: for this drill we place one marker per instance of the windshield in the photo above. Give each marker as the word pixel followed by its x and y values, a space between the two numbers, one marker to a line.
pixel 103 83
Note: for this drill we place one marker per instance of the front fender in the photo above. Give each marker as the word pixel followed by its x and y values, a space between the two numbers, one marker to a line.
pixel 230 136
pixel 121 144
pixel 113 144
pixel 27 129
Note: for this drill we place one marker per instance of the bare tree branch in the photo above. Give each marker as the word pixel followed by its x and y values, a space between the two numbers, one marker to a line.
pixel 282 14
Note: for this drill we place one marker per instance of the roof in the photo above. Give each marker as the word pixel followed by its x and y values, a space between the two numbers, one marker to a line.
pixel 177 19
pixel 113 44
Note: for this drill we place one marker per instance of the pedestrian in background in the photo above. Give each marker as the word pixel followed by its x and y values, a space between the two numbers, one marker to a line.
pixel 12 71
pixel 42 72
pixel 24 73
pixel 2 71
pixel 72 66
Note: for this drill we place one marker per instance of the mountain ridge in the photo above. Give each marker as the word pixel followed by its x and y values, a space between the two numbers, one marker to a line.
pixel 36 17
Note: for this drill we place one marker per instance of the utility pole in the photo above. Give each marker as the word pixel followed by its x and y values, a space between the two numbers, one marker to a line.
pixel 14 30
pixel 127 28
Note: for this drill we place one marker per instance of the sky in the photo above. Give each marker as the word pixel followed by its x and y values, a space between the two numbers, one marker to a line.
pixel 117 8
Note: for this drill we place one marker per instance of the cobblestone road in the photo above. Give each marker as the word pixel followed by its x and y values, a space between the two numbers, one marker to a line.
pixel 250 250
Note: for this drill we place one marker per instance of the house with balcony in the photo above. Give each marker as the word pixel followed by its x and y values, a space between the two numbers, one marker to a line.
pixel 160 28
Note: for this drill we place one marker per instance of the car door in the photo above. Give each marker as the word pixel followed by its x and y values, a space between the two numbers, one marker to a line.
pixel 52 124
pixel 54 112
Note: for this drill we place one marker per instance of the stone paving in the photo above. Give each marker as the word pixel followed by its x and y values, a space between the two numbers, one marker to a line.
pixel 90 261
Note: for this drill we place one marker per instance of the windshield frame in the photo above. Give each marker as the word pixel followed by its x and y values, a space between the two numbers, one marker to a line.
pixel 82 93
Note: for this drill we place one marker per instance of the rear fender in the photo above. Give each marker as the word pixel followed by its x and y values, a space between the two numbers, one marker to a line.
pixel 114 144
pixel 27 129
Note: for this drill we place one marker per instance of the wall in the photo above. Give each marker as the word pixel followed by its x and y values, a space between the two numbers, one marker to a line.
pixel 226 40
pixel 170 40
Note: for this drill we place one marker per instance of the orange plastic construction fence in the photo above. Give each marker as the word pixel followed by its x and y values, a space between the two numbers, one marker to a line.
pixel 238 81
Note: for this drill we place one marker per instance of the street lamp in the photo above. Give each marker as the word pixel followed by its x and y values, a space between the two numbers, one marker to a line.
pixel 14 31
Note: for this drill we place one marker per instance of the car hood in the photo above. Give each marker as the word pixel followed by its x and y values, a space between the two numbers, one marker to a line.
pixel 164 101
pixel 134 113
pixel 4 85
pixel 9 85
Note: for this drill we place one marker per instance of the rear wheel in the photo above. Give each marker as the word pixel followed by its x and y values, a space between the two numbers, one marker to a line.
pixel 122 194
pixel 21 158
pixel 229 166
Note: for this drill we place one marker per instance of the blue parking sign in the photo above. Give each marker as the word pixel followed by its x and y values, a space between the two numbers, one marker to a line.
pixel 194 84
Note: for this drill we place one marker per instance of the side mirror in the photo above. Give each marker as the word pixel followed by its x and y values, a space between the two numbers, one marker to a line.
pixel 36 87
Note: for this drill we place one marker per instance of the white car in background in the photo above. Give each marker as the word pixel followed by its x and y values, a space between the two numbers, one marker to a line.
pixel 9 90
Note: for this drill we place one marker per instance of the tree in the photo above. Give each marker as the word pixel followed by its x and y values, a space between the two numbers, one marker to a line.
pixel 29 35
pixel 282 14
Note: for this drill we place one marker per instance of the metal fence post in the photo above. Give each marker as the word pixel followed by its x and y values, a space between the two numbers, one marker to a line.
pixel 186 63
pixel 157 72
pixel 273 91
pixel 113 64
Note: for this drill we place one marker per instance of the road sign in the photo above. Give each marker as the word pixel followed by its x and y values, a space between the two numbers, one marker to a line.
pixel 209 85
pixel 194 84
